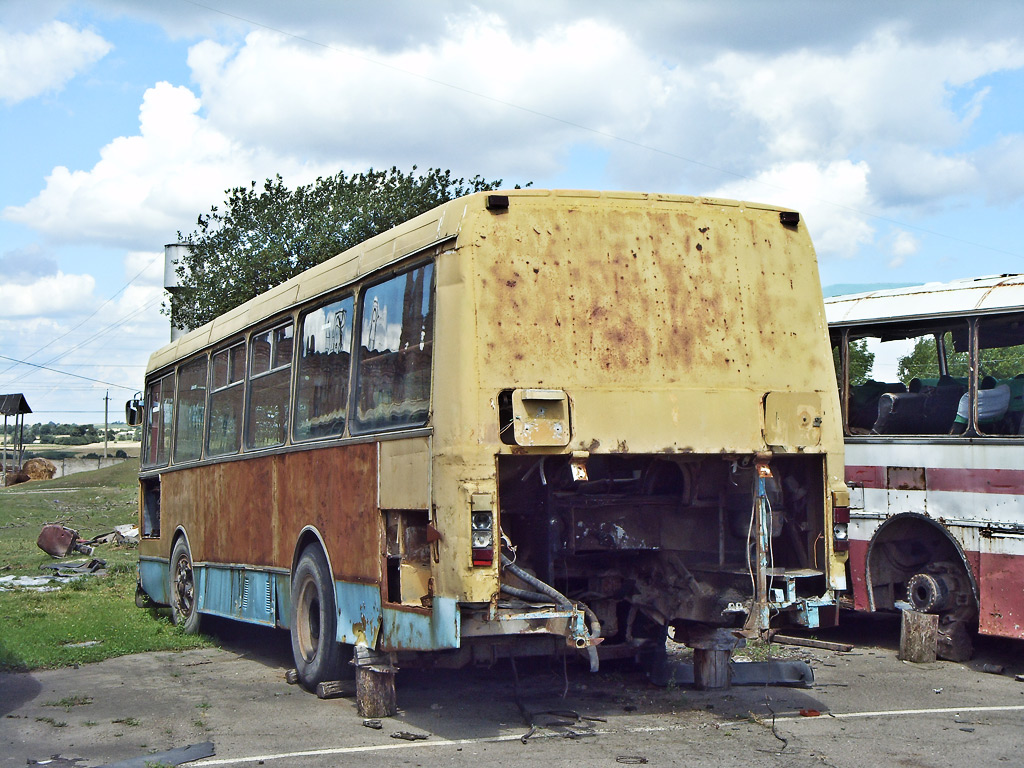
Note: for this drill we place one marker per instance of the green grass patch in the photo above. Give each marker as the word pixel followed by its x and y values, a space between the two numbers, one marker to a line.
pixel 69 701
pixel 94 617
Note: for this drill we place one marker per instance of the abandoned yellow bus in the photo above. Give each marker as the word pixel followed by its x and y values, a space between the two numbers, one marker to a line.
pixel 524 422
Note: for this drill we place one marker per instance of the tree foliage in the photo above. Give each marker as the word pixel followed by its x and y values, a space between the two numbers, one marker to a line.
pixel 923 360
pixel 861 362
pixel 263 236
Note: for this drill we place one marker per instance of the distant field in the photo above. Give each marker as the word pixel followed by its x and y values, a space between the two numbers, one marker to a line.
pixel 47 450
pixel 48 629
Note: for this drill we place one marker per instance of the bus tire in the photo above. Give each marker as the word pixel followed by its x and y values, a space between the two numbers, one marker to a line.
pixel 182 589
pixel 314 620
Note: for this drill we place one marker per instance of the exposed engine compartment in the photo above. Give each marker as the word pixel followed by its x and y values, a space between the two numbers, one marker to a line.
pixel 652 541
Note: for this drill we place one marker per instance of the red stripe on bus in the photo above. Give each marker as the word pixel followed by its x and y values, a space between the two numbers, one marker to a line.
pixel 963 480
pixel 869 477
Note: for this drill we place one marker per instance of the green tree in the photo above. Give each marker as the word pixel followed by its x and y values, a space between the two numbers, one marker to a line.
pixel 262 237
pixel 861 362
pixel 923 360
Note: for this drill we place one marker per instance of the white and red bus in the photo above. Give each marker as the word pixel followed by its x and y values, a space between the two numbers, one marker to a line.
pixel 932 387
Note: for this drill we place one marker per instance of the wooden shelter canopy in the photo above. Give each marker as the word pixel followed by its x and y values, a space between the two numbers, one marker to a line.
pixel 13 405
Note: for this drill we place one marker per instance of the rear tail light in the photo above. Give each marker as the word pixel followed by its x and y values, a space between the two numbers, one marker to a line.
pixel 841 529
pixel 482 537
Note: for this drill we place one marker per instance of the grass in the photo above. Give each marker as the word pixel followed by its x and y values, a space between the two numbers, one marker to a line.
pixel 94 617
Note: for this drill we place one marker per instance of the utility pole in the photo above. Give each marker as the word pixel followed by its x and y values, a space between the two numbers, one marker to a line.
pixel 106 426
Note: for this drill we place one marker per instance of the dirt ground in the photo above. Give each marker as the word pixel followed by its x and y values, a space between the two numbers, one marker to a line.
pixel 865 708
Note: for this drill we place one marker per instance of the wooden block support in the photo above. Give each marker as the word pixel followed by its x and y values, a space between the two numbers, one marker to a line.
pixel 375 684
pixel 919 634
pixel 375 693
pixel 711 669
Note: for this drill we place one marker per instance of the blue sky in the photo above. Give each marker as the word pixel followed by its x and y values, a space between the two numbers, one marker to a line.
pixel 895 128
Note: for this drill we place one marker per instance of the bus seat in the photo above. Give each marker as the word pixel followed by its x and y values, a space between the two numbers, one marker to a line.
pixel 899 413
pixel 992 405
pixel 927 412
pixel 864 401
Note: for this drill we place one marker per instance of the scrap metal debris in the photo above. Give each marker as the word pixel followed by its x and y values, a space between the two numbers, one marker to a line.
pixel 56 761
pixel 409 736
pixel 178 756
pixel 77 568
pixel 58 540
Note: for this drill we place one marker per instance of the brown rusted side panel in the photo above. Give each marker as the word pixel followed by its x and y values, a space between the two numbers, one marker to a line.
pixel 1000 612
pixel 332 490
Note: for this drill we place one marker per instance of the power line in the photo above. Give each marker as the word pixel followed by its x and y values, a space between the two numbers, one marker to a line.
pixel 90 317
pixel 95 336
pixel 67 373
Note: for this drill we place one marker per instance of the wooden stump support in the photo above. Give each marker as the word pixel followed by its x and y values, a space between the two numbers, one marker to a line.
pixel 375 683
pixel 712 653
pixel 919 636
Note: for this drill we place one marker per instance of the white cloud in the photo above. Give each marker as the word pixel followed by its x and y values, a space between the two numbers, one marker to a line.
pixel 50 295
pixel 496 96
pixel 32 63
pixel 833 200
pixel 913 175
pixel 884 90
pixel 902 244
pixel 474 98
pixel 146 187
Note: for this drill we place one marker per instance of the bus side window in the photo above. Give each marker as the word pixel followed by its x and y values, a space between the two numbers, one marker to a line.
pixel 321 395
pixel 225 418
pixel 396 344
pixel 270 373
pixel 1001 377
pixel 190 408
pixel 923 373
pixel 159 419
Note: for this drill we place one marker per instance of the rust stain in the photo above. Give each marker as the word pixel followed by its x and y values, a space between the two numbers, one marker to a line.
pixel 905 478
pixel 333 489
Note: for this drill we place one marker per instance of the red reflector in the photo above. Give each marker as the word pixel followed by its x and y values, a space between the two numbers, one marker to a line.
pixel 841 515
pixel 841 546
pixel 483 556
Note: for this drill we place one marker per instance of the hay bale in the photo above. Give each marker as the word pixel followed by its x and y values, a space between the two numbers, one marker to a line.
pixel 39 469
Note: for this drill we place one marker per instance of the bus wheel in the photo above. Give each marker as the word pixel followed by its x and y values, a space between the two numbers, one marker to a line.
pixel 183 589
pixel 314 620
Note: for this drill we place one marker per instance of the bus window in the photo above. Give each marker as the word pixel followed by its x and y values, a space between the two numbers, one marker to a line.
pixel 159 419
pixel 393 371
pixel 191 410
pixel 226 401
pixel 269 380
pixel 321 393
pixel 907 381
pixel 1000 377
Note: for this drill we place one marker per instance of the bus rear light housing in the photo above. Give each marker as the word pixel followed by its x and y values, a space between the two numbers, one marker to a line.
pixel 841 529
pixel 482 530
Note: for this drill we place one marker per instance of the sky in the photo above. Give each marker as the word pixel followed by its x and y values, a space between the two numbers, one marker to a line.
pixel 896 129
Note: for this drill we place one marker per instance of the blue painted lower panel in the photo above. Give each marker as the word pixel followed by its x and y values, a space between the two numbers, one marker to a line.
pixel 263 597
pixel 359 613
pixel 153 577
pixel 413 631
pixel 237 593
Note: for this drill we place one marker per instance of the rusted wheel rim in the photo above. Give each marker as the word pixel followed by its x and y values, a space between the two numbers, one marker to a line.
pixel 184 587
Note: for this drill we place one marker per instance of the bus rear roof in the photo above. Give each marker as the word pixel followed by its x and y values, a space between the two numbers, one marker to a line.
pixel 428 229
